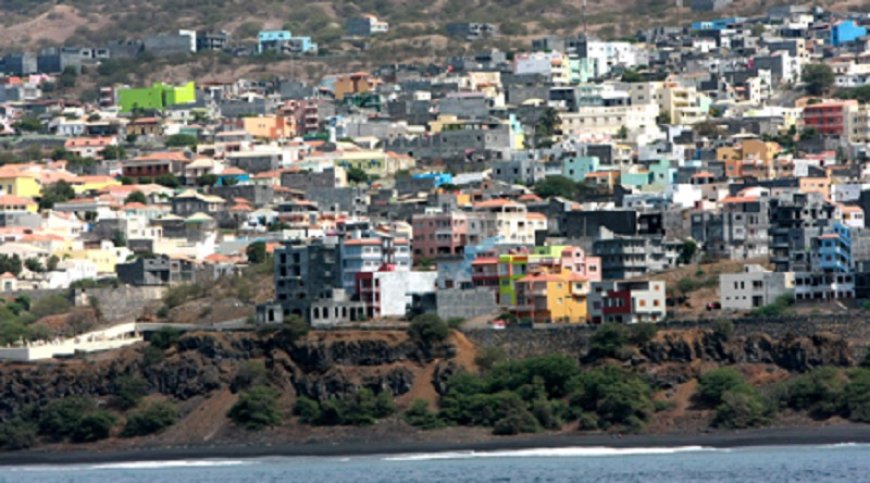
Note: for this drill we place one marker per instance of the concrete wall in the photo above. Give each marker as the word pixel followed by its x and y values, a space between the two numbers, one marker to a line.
pixel 465 304
pixel 574 339
pixel 123 303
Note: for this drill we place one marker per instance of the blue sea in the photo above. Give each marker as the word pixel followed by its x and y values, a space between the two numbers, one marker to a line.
pixel 846 462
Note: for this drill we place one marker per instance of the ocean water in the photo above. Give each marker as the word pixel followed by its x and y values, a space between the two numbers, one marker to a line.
pixel 846 462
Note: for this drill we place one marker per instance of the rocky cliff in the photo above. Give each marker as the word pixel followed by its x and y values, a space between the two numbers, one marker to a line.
pixel 319 366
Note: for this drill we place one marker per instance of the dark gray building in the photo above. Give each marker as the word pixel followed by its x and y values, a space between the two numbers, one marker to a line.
pixel 305 273
pixel 20 64
pixel 303 180
pixel 160 270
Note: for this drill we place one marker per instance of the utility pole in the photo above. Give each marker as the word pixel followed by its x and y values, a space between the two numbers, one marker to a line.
pixel 585 22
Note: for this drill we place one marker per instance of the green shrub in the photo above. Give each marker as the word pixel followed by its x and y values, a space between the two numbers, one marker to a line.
pixel 723 329
pixel 428 329
pixel 419 416
pixel 713 384
pixel 50 305
pixel 256 409
pixel 489 356
pixel 516 423
pixel 294 328
pixel 17 434
pixel 741 408
pixel 856 396
pixel 554 371
pixel 307 409
pixel 94 427
pixel 616 396
pixel 642 333
pixel 248 374
pixel 455 322
pixel 131 388
pixel 662 405
pixel 609 340
pixel 820 392
pixel 150 419
pixel 165 338
pixel 60 418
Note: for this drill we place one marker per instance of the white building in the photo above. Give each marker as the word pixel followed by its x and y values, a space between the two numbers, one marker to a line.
pixel 609 119
pixel 754 287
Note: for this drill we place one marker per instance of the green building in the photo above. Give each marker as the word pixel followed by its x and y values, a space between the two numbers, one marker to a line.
pixel 157 97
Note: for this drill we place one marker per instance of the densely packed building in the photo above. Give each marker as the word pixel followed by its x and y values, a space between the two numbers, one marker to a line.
pixel 550 185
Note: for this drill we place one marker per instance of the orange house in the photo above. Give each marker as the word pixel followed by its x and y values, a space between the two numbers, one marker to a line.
pixel 273 127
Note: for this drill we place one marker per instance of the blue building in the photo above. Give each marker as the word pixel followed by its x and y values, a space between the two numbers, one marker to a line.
pixel 833 250
pixel 284 41
pixel 272 39
pixel 577 167
pixel 718 24
pixel 845 32
pixel 438 178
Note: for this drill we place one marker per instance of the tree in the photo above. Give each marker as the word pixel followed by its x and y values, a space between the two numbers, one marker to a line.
pixel 428 329
pixel 67 79
pixel 56 193
pixel 28 124
pixel 207 180
pixel 622 133
pixel 51 263
pixel 256 252
pixel 11 264
pixel 181 141
pixel 546 127
pixel 34 265
pixel 256 409
pixel 556 186
pixel 357 175
pixel 114 152
pixel 168 180
pixel 630 75
pixel 817 78
pixel 136 197
pixel 687 252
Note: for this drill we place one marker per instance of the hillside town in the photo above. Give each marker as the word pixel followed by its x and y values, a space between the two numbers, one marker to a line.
pixel 563 184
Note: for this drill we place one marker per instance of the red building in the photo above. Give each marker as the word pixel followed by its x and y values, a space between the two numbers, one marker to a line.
pixel 828 118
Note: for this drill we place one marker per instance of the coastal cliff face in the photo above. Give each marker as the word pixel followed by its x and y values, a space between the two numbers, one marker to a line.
pixel 320 366
pixel 200 370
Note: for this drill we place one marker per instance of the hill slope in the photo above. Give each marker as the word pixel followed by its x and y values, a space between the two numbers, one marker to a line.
pixel 30 23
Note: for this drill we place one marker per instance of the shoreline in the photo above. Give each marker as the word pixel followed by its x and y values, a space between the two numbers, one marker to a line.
pixel 804 436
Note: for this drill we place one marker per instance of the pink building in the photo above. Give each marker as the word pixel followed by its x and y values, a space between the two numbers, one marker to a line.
pixel 440 235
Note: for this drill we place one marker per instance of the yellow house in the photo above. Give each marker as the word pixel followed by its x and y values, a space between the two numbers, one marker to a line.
pixel 84 184
pixel 104 260
pixel 17 203
pixel 552 296
pixel 17 182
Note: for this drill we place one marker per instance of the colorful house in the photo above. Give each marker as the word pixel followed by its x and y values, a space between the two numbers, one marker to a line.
pixel 17 203
pixel 157 97
pixel 17 181
pixel 552 296
pixel 272 128
pixel 845 32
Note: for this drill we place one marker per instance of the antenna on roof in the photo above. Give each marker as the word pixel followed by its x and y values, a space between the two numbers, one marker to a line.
pixel 585 23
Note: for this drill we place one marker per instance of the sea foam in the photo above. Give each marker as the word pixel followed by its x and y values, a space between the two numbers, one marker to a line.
pixel 569 452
